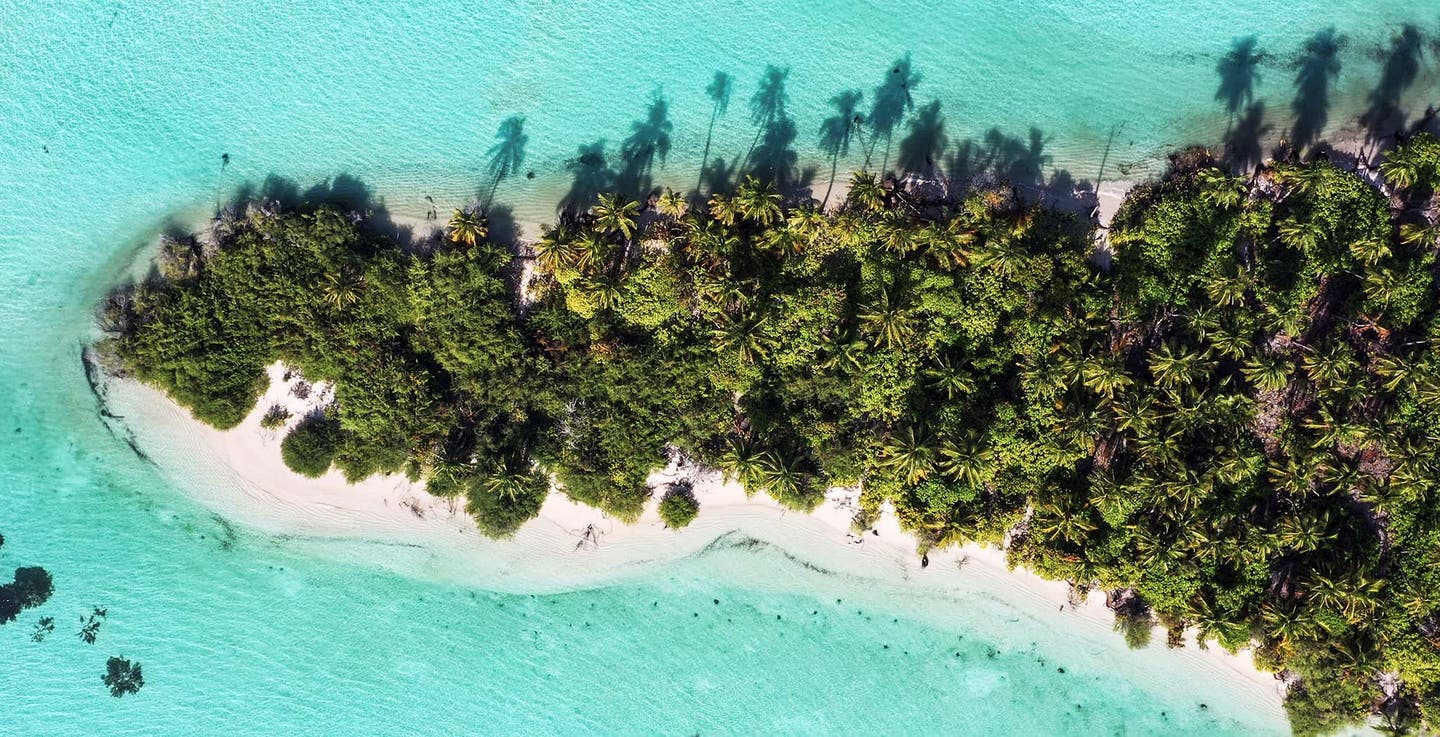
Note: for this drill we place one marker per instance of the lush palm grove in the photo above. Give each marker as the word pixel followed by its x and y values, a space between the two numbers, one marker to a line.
pixel 1236 421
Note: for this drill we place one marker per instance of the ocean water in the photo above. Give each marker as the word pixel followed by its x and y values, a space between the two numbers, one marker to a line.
pixel 122 117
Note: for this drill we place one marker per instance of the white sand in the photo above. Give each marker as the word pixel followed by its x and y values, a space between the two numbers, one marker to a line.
pixel 239 474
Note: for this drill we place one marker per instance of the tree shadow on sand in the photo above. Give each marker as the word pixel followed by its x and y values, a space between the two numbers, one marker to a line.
pixel 1315 71
pixel 1384 116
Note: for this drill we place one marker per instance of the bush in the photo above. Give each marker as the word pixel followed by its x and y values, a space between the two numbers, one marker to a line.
pixel 275 417
pixel 502 503
pixel 310 448
pixel 679 507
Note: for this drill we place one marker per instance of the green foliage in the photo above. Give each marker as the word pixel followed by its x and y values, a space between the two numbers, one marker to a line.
pixel 678 507
pixel 310 448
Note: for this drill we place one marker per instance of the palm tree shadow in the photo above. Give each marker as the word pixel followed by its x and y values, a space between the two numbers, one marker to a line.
pixel 1401 67
pixel 719 93
pixel 591 175
pixel 1315 71
pixel 1243 150
pixel 717 176
pixel 893 100
pixel 1239 72
pixel 922 147
pixel 649 140
pixel 775 157
pixel 508 153
pixel 838 130
pixel 767 105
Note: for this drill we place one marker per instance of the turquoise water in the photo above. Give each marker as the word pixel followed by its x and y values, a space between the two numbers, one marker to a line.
pixel 116 116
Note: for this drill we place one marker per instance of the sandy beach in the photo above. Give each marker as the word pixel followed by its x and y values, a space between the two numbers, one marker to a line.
pixel 239 475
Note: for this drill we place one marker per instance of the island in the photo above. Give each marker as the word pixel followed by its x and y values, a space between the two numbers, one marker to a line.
pixel 1221 409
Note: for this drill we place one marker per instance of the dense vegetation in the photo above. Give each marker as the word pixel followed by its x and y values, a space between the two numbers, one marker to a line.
pixel 1233 427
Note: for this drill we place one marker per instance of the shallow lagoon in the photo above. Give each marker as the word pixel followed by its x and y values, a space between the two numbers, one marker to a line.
pixel 117 116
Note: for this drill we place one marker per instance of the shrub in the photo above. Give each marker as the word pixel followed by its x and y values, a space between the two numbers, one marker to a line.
pixel 310 448
pixel 275 417
pixel 679 507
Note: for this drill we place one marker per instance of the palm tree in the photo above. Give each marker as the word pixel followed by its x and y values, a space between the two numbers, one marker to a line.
pixel 606 292
pixel 758 201
pixel 590 253
pixel 1371 251
pixel 724 209
pixel 468 226
pixel 744 462
pixel 672 204
pixel 508 482
pixel 1268 374
pixel 952 381
pixel 1220 189
pixel 1400 169
pixel 343 289
pixel 1104 376
pixel 1305 236
pixel 969 461
pixel 1229 289
pixel 745 335
pixel 1329 366
pixel 888 319
pixel 1412 234
pixel 1386 285
pixel 554 249
pixel 1175 367
pixel 616 215
pixel 910 453
pixel 866 192
pixel 842 351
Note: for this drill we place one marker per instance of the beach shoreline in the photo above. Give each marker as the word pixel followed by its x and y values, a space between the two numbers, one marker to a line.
pixel 239 475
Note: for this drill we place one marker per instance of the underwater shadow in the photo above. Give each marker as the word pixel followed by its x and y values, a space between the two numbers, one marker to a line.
pixel 1243 149
pixel 1383 116
pixel 1315 71
pixel 925 143
pixel 649 140
pixel 838 131
pixel 1239 71
pixel 591 176
pixel 766 106
pixel 893 101
pixel 719 93
pixel 508 154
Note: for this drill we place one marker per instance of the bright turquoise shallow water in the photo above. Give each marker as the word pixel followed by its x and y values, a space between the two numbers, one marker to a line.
pixel 115 117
